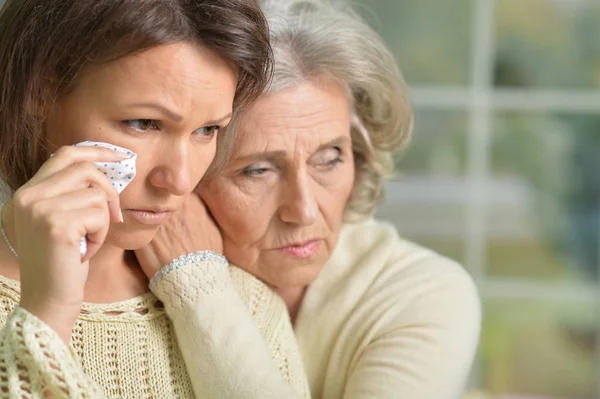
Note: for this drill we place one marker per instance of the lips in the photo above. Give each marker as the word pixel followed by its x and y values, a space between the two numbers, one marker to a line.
pixel 148 217
pixel 303 250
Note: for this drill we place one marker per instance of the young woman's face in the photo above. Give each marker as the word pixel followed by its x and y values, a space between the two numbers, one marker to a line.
pixel 166 104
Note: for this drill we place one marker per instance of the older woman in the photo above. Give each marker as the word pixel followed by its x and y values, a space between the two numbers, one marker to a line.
pixel 375 315
pixel 138 89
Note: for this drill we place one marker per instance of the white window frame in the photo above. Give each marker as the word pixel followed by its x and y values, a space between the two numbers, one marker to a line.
pixel 481 100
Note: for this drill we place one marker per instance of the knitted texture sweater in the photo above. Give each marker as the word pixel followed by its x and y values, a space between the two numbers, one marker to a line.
pixel 207 331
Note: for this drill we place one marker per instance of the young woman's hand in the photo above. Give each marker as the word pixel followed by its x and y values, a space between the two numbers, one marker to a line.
pixel 68 198
pixel 190 229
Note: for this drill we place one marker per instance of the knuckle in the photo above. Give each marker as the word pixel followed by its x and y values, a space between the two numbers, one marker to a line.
pixel 55 228
pixel 98 194
pixel 39 212
pixel 87 168
pixel 65 151
pixel 100 218
pixel 96 191
pixel 107 190
pixel 22 198
pixel 63 231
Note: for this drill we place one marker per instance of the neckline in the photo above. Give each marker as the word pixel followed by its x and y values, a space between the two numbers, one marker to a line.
pixel 142 306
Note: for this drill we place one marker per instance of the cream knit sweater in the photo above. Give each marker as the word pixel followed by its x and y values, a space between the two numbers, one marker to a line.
pixel 388 319
pixel 217 332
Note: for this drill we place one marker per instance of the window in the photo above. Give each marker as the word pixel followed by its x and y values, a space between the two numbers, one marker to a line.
pixel 504 174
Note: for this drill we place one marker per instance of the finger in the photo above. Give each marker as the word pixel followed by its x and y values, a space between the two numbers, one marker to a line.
pixel 69 155
pixel 67 227
pixel 94 225
pixel 97 226
pixel 89 197
pixel 73 178
pixel 82 175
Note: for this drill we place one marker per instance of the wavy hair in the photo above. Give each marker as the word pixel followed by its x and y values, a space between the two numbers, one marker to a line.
pixel 313 38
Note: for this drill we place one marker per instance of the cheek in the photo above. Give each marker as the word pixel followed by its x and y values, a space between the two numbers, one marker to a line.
pixel 242 218
pixel 200 160
pixel 338 190
pixel 347 184
pixel 62 128
pixel 73 120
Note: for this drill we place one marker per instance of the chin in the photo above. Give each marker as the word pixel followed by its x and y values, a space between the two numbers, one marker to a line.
pixel 122 236
pixel 294 279
pixel 295 276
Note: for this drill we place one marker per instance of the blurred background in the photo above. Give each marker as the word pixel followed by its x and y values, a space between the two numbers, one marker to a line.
pixel 504 176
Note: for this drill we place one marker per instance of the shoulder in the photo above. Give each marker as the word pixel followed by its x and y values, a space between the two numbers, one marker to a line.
pixel 377 245
pixel 400 274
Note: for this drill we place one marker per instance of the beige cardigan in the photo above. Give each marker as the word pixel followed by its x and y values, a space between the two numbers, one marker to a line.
pixel 388 319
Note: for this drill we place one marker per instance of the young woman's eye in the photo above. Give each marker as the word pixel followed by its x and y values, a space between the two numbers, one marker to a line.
pixel 142 125
pixel 209 131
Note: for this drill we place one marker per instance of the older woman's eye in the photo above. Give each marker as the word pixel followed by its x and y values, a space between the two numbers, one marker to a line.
pixel 142 125
pixel 328 158
pixel 256 170
pixel 209 131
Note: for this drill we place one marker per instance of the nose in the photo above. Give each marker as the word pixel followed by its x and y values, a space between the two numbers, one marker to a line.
pixel 173 170
pixel 298 204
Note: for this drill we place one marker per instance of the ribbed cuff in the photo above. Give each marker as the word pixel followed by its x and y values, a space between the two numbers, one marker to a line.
pixel 189 280
pixel 184 260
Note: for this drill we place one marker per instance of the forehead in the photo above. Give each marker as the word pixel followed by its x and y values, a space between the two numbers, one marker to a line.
pixel 180 73
pixel 314 111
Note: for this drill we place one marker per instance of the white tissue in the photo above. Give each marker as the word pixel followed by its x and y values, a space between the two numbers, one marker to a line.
pixel 120 173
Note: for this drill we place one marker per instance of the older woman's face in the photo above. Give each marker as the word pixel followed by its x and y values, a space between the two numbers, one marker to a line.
pixel 281 200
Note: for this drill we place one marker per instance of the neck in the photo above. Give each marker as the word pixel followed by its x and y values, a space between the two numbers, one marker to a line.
pixel 292 297
pixel 114 274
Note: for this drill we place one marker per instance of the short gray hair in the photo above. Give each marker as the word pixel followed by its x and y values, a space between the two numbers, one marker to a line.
pixel 315 37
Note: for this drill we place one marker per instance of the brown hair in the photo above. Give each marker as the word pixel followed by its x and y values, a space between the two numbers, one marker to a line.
pixel 45 45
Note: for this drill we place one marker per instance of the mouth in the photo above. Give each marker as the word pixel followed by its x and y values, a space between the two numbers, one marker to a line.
pixel 302 250
pixel 147 216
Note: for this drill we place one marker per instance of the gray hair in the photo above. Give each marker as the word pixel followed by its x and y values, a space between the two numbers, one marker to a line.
pixel 313 37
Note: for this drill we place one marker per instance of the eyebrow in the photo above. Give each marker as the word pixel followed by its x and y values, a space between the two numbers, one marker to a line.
pixel 175 116
pixel 218 121
pixel 279 154
pixel 158 107
pixel 335 142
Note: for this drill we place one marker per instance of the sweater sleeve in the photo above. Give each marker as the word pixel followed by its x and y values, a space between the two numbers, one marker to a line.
pixel 237 342
pixel 35 362
pixel 425 346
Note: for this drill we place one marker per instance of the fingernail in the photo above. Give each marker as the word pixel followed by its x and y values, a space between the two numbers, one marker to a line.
pixel 121 215
pixel 124 155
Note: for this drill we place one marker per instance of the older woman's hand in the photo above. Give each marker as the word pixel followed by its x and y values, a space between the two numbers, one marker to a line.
pixel 188 230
